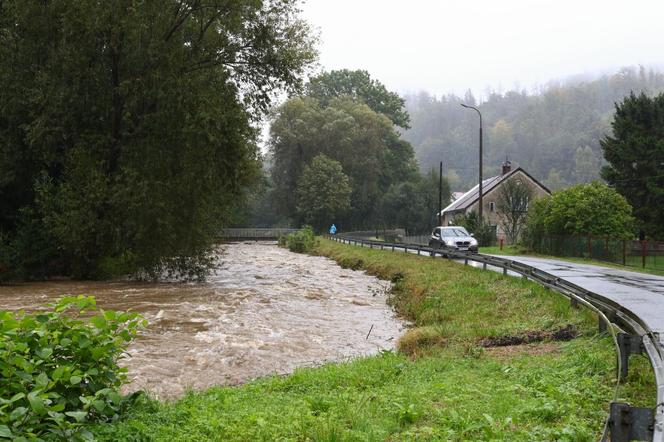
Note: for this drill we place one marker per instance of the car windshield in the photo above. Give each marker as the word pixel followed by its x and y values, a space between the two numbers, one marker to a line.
pixel 453 232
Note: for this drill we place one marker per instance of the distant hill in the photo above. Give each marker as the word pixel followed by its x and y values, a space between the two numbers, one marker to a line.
pixel 554 134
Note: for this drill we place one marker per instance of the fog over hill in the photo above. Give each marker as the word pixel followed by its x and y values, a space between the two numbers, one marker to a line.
pixel 553 133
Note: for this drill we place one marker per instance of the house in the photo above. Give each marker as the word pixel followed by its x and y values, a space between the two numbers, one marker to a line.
pixel 469 201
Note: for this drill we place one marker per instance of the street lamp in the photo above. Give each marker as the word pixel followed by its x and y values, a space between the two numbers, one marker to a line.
pixel 480 114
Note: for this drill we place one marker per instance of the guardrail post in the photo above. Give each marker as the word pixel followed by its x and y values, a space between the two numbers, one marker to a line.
pixel 627 423
pixel 602 325
pixel 629 345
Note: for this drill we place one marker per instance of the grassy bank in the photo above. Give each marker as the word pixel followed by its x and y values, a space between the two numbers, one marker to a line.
pixel 444 384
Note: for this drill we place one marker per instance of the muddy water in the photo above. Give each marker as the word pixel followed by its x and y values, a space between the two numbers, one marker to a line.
pixel 264 311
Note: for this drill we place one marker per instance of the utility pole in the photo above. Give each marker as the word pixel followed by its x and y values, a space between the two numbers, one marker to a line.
pixel 440 196
pixel 480 189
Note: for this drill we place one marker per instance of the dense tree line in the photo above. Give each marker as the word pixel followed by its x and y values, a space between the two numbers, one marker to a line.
pixel 126 132
pixel 554 134
pixel 340 140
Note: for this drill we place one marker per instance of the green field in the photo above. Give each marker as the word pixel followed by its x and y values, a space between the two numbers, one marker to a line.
pixel 443 384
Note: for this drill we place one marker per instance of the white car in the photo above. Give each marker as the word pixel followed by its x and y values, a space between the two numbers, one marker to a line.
pixel 454 238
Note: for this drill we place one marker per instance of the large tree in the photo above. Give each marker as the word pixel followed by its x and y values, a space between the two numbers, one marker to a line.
pixel 635 153
pixel 125 126
pixel 360 86
pixel 323 192
pixel 363 141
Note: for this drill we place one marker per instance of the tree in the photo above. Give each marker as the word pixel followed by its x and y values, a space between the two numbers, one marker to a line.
pixel 586 165
pixel 125 128
pixel 413 204
pixel 360 86
pixel 554 181
pixel 323 192
pixel 635 153
pixel 363 141
pixel 584 209
pixel 512 204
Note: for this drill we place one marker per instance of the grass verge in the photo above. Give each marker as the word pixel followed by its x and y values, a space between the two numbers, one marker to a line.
pixel 443 385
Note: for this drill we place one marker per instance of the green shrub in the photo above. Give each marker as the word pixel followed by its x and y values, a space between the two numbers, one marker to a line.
pixel 585 209
pixel 59 368
pixel 484 233
pixel 301 241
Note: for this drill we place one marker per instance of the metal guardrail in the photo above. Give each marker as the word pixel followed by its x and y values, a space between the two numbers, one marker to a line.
pixel 253 234
pixel 625 423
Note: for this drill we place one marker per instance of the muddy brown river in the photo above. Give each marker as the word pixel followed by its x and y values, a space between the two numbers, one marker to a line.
pixel 264 311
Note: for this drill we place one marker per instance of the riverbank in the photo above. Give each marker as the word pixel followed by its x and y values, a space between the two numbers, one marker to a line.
pixel 448 382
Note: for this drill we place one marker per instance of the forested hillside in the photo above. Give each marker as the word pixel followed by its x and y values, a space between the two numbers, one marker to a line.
pixel 554 134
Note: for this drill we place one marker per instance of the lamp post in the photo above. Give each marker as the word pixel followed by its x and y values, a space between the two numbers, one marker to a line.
pixel 480 114
pixel 440 195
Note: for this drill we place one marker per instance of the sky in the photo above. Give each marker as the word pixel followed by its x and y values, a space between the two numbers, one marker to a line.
pixel 450 46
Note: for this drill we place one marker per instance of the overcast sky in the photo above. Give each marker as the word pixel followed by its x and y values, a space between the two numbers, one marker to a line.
pixel 453 45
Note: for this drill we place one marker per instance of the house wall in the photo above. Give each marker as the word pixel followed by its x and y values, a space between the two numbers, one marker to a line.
pixel 492 197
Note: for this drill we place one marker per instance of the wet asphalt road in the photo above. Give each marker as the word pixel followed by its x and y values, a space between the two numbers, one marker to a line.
pixel 641 293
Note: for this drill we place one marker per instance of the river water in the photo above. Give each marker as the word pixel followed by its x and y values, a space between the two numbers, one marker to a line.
pixel 264 311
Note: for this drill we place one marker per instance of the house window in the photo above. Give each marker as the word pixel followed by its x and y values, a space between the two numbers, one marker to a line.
pixel 492 206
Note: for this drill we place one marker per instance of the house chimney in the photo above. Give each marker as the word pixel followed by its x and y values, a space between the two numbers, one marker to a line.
pixel 507 166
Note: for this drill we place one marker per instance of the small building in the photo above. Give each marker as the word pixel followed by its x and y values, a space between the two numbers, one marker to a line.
pixel 469 201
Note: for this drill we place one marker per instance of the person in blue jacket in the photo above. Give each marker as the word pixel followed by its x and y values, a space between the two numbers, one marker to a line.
pixel 333 229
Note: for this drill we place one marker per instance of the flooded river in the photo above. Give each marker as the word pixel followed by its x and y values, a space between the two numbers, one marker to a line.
pixel 265 310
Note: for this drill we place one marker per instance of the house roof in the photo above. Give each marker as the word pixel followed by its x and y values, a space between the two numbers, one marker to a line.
pixel 470 197
pixel 457 195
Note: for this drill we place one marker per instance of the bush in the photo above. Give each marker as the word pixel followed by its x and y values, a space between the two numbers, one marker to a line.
pixel 484 233
pixel 59 370
pixel 585 209
pixel 301 242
